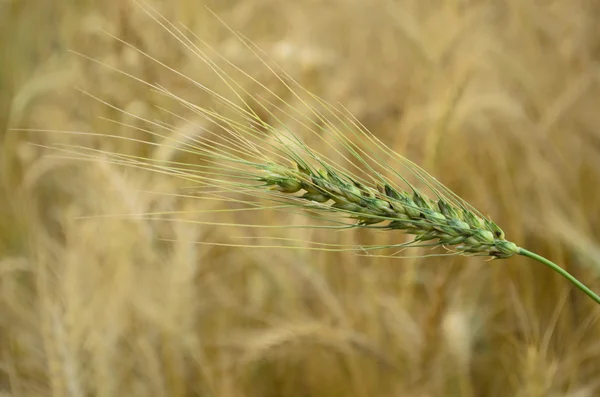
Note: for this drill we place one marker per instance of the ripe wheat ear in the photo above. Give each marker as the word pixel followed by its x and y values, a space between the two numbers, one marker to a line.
pixel 241 153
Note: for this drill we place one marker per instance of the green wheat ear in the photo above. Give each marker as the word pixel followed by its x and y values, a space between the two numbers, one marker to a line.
pixel 244 154
pixel 441 223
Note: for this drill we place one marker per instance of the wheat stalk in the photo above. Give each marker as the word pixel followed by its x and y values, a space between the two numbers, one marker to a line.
pixel 243 154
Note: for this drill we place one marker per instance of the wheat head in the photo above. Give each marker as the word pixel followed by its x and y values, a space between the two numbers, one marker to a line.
pixel 439 222
pixel 241 153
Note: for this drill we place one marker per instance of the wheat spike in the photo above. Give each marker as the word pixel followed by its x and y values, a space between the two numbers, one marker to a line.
pixel 242 154
pixel 441 223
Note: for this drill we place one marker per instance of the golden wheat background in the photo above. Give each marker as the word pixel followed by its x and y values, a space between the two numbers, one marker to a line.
pixel 500 100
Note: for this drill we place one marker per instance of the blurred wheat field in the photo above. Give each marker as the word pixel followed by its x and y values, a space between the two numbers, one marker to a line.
pixel 498 100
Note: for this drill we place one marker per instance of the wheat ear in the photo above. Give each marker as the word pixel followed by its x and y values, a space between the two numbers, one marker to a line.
pixel 441 222
pixel 438 222
pixel 245 154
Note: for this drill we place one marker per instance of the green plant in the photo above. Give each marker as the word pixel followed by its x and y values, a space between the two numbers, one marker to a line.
pixel 241 153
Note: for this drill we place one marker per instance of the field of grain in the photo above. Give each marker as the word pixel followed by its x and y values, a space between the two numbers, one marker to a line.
pixel 498 99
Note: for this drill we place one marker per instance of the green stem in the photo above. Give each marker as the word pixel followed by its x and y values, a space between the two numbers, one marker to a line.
pixel 561 271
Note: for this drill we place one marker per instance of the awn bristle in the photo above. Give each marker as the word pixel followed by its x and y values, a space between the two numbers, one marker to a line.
pixel 244 154
pixel 243 151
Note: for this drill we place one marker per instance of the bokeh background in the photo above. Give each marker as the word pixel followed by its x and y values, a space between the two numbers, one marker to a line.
pixel 498 99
